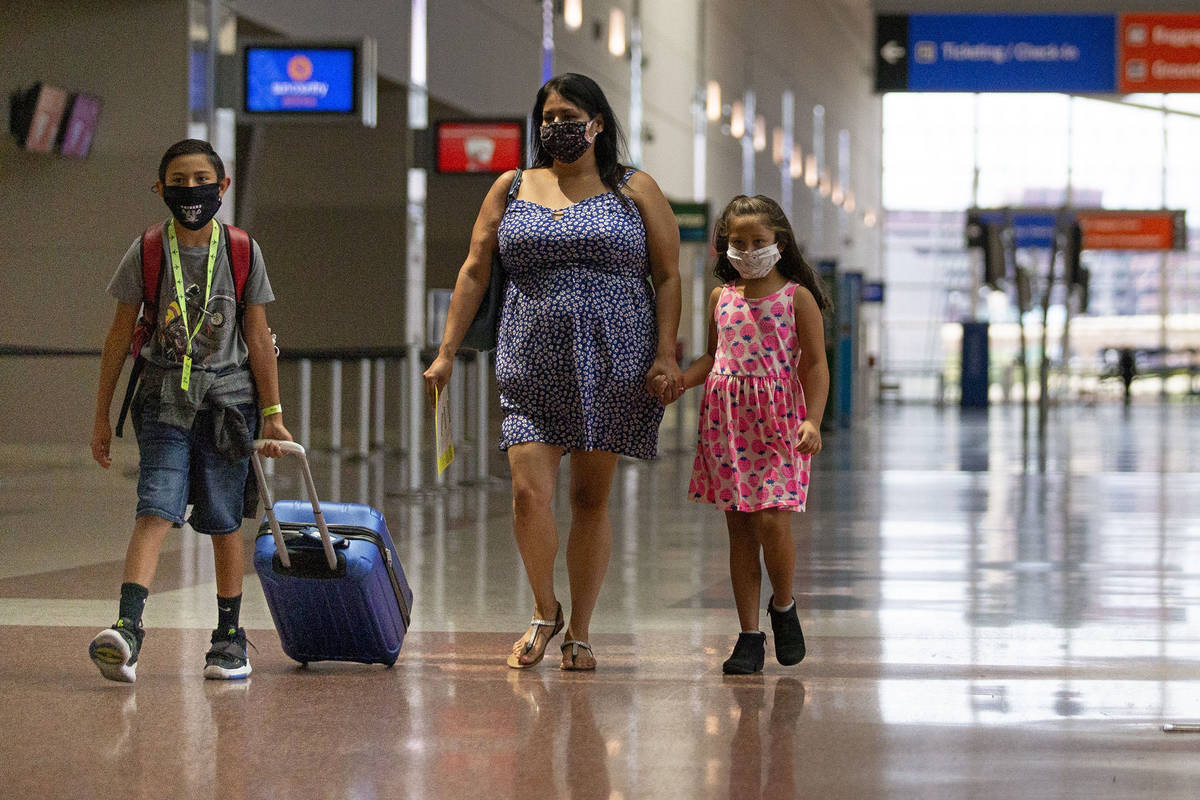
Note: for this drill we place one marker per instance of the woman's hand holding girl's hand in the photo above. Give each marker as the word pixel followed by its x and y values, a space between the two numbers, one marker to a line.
pixel 438 375
pixel 810 439
pixel 665 380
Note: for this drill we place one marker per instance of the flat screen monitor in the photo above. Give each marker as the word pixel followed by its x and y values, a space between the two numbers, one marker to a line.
pixel 310 81
pixel 479 145
pixel 35 115
pixel 75 135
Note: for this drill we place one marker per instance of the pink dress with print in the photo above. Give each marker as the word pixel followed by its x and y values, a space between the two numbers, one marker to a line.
pixel 753 405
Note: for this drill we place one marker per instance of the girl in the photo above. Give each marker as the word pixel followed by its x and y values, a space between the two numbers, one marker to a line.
pixel 766 357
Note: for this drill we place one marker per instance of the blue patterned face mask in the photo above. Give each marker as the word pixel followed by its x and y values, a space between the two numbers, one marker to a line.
pixel 566 141
pixel 752 264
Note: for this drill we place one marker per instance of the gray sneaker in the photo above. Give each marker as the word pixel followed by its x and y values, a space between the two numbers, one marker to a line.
pixel 227 658
pixel 115 651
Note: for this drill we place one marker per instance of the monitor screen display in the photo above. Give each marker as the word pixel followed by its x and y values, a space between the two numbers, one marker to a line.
pixel 47 116
pixel 75 138
pixel 301 80
pixel 479 145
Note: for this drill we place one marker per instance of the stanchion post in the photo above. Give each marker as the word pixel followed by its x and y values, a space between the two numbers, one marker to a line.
pixel 380 406
pixel 306 402
pixel 335 405
pixel 364 407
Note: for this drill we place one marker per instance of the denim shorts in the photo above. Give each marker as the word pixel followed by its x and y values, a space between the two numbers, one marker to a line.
pixel 178 465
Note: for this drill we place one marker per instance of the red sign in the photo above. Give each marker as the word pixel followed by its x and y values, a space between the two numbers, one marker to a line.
pixel 484 146
pixel 1159 53
pixel 1132 230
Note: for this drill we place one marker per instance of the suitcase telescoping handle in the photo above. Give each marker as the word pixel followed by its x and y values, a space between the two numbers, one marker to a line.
pixel 291 448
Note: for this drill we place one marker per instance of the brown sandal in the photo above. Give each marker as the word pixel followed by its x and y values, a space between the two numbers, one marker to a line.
pixel 556 625
pixel 575 645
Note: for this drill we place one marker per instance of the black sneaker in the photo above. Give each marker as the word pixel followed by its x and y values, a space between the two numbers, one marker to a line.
pixel 115 650
pixel 227 659
pixel 748 654
pixel 789 638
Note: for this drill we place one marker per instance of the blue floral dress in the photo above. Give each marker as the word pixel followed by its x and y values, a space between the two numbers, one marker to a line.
pixel 578 332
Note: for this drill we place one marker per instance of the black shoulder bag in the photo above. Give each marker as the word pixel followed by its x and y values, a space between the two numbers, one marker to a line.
pixel 481 335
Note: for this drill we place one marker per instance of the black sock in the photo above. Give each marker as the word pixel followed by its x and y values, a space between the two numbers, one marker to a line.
pixel 133 602
pixel 228 610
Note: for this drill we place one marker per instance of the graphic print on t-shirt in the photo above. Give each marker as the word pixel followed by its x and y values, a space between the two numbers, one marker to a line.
pixel 215 329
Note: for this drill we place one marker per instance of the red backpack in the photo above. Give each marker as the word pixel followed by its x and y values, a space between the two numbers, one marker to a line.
pixel 239 250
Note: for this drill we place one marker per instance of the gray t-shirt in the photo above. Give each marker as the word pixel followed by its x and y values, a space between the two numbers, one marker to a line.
pixel 218 344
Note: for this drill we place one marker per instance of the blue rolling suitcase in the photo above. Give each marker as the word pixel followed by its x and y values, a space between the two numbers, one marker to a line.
pixel 331 576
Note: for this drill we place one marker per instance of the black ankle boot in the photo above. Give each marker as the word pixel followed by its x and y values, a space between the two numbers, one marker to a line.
pixel 789 638
pixel 748 654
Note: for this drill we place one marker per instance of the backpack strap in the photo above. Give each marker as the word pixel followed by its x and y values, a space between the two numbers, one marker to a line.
pixel 240 252
pixel 152 258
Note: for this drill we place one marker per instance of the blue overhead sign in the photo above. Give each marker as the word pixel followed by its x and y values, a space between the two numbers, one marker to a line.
pixel 1029 228
pixel 996 53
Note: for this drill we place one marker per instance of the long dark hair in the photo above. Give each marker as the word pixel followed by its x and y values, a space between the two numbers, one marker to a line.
pixel 584 92
pixel 791 263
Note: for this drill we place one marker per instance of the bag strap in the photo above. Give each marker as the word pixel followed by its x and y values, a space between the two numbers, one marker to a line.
pixel 240 252
pixel 513 188
pixel 152 258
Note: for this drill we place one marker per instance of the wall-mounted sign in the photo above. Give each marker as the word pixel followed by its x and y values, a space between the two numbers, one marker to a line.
pixel 479 145
pixel 310 81
pixel 75 136
pixel 1159 53
pixel 692 219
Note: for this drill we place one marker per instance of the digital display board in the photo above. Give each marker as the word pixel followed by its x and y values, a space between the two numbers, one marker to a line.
pixel 75 136
pixel 299 80
pixel 45 106
pixel 311 81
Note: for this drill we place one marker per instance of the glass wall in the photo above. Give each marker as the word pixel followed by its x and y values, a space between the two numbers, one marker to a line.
pixel 944 153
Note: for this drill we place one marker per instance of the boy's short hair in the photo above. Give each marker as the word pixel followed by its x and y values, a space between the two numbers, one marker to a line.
pixel 188 147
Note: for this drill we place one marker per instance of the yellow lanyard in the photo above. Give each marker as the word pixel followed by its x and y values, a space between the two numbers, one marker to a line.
pixel 182 297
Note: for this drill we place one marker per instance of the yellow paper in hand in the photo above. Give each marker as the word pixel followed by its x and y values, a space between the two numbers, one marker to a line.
pixel 442 434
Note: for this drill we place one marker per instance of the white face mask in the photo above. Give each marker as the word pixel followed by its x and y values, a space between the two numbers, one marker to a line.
pixel 754 263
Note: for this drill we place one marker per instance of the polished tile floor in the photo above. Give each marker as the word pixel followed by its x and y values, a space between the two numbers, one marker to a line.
pixel 990 614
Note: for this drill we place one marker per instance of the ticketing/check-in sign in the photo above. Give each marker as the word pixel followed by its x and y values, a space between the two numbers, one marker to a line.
pixel 1159 53
pixel 995 53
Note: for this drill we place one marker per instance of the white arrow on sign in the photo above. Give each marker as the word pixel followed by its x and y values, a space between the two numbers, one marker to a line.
pixel 892 52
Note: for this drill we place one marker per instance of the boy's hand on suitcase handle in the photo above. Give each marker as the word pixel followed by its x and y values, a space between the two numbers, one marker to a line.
pixel 273 434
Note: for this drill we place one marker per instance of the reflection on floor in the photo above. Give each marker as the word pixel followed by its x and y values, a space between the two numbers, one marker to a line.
pixel 989 614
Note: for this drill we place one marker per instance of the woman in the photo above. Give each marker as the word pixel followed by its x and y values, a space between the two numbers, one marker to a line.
pixel 586 353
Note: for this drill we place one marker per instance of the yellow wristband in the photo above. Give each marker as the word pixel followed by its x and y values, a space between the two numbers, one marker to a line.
pixel 275 409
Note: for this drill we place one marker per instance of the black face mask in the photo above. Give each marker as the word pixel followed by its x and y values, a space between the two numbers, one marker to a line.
pixel 566 141
pixel 193 206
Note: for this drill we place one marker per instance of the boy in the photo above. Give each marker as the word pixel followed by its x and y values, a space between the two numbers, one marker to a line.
pixel 207 361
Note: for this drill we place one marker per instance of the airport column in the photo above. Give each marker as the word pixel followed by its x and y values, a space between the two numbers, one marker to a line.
pixel 414 333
